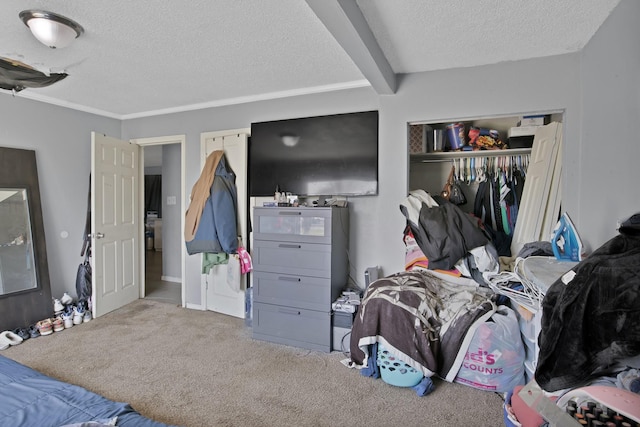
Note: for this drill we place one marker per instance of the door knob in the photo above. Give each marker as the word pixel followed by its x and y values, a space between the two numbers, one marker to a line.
pixel 98 235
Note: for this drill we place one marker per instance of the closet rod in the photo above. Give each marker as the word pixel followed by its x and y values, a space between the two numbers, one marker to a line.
pixel 474 157
pixel 448 155
pixel 436 161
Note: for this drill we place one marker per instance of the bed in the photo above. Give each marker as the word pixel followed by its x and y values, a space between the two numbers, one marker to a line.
pixel 30 398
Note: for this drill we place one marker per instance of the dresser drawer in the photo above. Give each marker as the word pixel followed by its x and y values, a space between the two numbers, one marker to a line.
pixel 306 259
pixel 292 326
pixel 302 224
pixel 312 293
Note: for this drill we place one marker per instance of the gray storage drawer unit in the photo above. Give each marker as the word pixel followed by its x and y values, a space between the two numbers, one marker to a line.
pixel 300 266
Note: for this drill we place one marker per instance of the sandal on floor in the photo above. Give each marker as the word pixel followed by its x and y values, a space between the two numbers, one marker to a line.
pixel 4 343
pixel 22 332
pixel 8 337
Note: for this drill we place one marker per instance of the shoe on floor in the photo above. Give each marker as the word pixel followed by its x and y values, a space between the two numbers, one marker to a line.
pixel 87 316
pixel 67 319
pixel 45 327
pixel 78 314
pixel 33 331
pixel 23 333
pixel 57 306
pixel 58 324
pixel 66 299
pixel 4 342
pixel 8 338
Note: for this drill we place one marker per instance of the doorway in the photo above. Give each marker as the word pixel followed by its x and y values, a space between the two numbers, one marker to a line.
pixel 162 254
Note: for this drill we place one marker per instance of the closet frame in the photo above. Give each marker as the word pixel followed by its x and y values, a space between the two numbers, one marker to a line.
pixel 429 171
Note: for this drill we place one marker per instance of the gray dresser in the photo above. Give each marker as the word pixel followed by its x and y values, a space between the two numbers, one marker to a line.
pixel 300 267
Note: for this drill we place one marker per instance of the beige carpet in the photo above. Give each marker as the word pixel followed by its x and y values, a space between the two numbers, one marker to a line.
pixel 194 368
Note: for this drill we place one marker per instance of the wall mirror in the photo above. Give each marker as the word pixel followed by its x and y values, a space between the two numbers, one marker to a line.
pixel 25 292
pixel 17 264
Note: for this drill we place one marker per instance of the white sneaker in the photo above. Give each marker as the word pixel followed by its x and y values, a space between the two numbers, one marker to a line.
pixel 78 314
pixel 57 306
pixel 66 299
pixel 87 316
pixel 67 319
pixel 58 324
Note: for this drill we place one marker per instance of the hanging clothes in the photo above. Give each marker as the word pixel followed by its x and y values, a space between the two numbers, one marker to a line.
pixel 500 182
pixel 211 220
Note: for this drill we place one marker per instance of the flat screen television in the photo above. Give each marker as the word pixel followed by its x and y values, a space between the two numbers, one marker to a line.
pixel 335 155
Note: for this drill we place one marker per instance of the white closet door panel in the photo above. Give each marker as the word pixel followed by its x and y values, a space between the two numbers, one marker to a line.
pixel 537 187
pixel 219 294
pixel 552 212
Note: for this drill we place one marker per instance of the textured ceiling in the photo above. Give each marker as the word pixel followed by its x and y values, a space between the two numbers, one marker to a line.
pixel 146 57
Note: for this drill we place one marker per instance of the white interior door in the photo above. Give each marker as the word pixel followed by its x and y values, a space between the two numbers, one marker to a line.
pixel 541 189
pixel 218 295
pixel 114 223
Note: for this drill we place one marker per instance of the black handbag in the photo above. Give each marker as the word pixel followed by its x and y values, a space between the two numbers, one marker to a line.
pixel 83 275
pixel 83 279
pixel 452 190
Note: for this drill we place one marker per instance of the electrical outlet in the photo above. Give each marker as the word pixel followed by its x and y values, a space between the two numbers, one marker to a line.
pixel 171 200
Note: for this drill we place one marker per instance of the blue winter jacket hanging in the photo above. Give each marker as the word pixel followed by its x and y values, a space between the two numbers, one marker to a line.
pixel 218 229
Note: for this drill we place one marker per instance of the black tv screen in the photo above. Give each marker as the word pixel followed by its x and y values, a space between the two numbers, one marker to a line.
pixel 334 155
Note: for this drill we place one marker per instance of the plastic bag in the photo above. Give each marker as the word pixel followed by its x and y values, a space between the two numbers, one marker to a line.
pixel 233 272
pixel 495 357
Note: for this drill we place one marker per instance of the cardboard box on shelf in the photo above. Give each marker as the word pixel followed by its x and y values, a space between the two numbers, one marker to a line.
pixel 417 141
pixel 534 120
pixel 522 131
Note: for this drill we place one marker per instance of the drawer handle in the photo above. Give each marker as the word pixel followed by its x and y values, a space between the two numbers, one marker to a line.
pixel 290 213
pixel 284 245
pixel 287 311
pixel 289 279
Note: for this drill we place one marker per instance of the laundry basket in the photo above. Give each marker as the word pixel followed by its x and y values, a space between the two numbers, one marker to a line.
pixel 394 371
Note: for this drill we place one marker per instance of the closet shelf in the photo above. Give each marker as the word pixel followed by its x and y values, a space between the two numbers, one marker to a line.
pixel 449 155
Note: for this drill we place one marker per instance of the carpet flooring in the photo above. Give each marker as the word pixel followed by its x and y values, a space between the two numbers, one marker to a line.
pixel 200 368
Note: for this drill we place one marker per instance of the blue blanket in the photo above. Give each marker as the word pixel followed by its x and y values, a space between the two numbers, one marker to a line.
pixel 29 398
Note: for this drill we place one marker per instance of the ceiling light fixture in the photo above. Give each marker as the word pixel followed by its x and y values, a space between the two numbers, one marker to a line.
pixel 51 29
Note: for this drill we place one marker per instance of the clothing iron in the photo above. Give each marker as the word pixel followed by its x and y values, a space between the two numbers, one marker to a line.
pixel 565 242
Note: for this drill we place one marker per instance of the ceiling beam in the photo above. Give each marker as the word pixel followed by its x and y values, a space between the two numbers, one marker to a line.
pixel 345 21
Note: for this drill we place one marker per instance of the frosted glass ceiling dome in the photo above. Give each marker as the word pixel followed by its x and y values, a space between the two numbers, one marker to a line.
pixel 51 29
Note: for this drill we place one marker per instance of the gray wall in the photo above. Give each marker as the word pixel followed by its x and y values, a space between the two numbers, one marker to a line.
pixel 607 179
pixel 597 88
pixel 61 139
pixel 153 170
pixel 546 84
pixel 193 123
pixel 171 214
pixel 376 222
